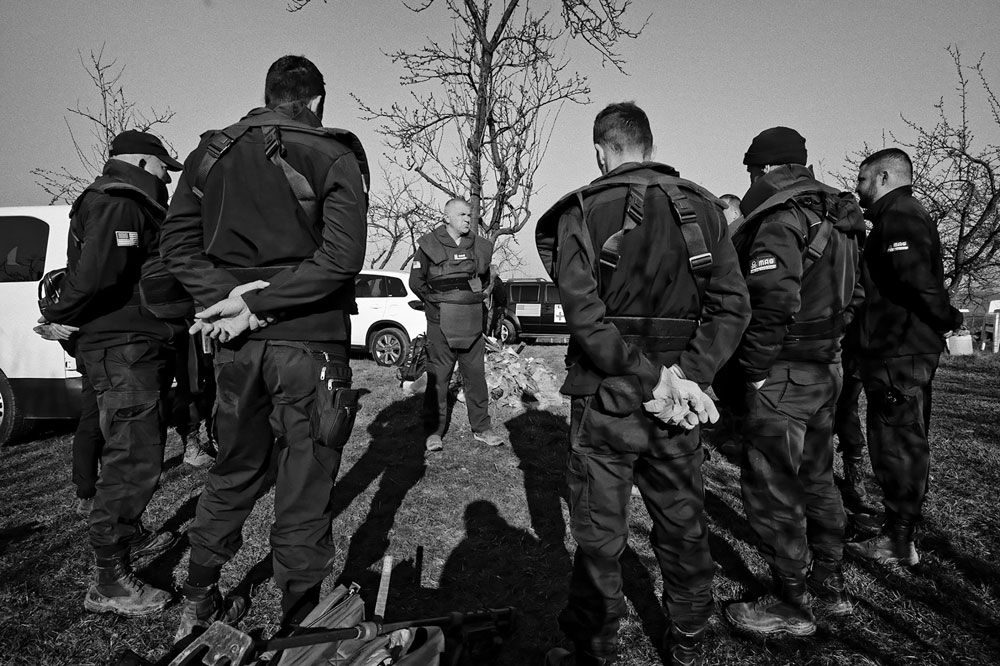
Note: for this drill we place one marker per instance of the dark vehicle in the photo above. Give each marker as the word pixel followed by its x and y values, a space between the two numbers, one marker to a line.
pixel 533 312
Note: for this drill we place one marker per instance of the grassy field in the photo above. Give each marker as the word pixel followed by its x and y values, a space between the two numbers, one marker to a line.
pixel 474 527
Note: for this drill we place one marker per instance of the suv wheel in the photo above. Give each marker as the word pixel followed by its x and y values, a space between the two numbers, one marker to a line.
pixel 388 347
pixel 507 333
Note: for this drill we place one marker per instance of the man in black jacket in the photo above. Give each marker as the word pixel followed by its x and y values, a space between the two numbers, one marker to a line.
pixel 127 356
pixel 799 250
pixel 655 304
pixel 901 328
pixel 267 229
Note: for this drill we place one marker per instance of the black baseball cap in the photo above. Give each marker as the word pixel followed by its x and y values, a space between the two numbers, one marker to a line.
pixel 134 142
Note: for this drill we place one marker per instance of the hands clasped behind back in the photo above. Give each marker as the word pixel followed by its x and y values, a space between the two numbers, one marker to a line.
pixel 680 402
pixel 230 317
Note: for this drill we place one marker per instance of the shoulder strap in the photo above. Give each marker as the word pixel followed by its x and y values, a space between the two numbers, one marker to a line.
pixel 274 151
pixel 217 147
pixel 699 258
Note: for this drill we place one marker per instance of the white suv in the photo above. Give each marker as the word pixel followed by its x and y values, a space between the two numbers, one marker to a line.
pixel 389 315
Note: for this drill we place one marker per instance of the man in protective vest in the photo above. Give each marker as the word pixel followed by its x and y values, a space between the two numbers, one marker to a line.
pixel 655 304
pixel 267 231
pixel 799 251
pixel 450 273
pixel 128 356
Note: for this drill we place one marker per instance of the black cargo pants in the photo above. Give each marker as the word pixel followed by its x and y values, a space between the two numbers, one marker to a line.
pixel 440 366
pixel 899 415
pixel 607 455
pixel 131 382
pixel 789 495
pixel 268 433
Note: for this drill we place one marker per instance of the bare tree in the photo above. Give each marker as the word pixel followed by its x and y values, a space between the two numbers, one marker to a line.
pixel 115 114
pixel 483 102
pixel 398 216
pixel 958 181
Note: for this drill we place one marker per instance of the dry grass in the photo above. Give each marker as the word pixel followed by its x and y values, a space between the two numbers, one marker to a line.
pixel 475 527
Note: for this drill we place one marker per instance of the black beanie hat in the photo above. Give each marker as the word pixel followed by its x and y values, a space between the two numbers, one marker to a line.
pixel 778 145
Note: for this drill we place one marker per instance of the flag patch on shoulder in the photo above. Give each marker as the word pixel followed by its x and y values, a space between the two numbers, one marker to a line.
pixel 127 238
pixel 763 262
pixel 898 247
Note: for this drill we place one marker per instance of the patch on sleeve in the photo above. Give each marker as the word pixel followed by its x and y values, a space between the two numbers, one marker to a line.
pixel 416 265
pixel 899 246
pixel 763 262
pixel 127 238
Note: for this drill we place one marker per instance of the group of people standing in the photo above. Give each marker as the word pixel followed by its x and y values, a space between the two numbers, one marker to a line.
pixel 665 295
pixel 266 232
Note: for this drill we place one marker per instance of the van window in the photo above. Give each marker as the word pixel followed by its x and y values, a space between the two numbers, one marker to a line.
pixel 526 294
pixel 22 248
pixel 552 294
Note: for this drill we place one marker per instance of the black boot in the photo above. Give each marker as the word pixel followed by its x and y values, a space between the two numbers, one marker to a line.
pixel 826 583
pixel 894 546
pixel 685 647
pixel 788 612
pixel 117 590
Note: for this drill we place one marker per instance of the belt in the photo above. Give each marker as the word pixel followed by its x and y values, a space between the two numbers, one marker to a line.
pixel 655 334
pixel 830 328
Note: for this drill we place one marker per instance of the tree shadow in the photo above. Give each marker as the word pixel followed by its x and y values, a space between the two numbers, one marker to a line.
pixel 395 456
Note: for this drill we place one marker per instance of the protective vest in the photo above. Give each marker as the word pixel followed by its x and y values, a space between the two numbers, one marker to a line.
pixel 453 275
pixel 272 128
pixel 653 334
pixel 158 290
pixel 819 206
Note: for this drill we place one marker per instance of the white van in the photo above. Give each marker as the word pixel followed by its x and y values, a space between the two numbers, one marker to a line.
pixel 38 380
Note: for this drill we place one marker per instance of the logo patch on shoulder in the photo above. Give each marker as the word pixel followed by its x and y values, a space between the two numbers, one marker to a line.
pixel 898 247
pixel 127 238
pixel 763 262
pixel 416 265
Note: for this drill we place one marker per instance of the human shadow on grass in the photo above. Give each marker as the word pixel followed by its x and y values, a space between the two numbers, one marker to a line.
pixel 395 456
pixel 499 565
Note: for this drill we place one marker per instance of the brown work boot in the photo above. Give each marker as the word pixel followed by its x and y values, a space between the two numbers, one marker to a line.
pixel 789 614
pixel 117 590
pixel 685 647
pixel 826 584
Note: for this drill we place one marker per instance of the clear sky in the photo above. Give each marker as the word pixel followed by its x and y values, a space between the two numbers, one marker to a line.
pixel 711 75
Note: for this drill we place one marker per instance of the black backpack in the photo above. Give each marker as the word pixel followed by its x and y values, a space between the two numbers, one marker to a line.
pixel 416 360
